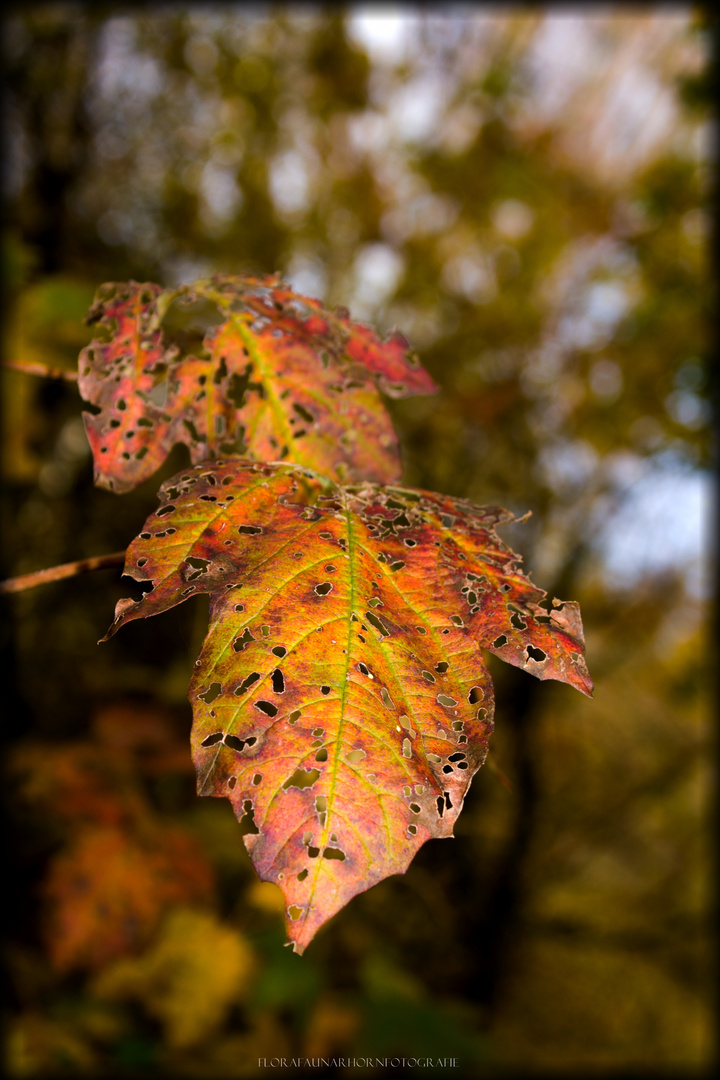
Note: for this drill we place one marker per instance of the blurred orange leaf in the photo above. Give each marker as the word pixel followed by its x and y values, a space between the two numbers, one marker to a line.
pixel 107 891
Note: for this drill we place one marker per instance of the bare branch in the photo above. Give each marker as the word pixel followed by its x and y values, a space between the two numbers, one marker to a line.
pixel 57 573
pixel 43 370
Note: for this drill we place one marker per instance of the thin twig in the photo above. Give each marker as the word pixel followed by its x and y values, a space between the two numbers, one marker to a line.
pixel 57 573
pixel 31 367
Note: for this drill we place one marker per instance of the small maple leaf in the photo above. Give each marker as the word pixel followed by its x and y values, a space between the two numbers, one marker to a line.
pixel 341 700
pixel 277 375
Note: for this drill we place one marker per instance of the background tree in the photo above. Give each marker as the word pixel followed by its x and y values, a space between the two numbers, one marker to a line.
pixel 526 195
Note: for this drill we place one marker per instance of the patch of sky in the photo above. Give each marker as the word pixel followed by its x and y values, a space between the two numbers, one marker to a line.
pixel 661 524
pixel 382 30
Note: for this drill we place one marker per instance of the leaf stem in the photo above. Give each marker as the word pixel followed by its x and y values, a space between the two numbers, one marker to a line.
pixel 31 367
pixel 57 573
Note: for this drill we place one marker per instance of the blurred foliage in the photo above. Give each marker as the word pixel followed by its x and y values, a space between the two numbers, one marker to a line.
pixel 528 196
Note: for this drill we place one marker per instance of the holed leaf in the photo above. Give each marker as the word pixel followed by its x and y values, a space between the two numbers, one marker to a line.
pixel 341 701
pixel 269 373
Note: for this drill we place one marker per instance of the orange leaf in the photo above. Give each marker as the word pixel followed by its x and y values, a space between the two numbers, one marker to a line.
pixel 341 700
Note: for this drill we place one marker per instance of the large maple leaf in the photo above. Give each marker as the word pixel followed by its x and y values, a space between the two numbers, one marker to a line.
pixel 341 700
pixel 277 375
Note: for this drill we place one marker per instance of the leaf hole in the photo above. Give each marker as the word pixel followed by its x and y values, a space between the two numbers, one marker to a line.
pixel 278 682
pixel 279 651
pixel 232 781
pixel 213 691
pixel 325 690
pixel 375 621
pixel 247 683
pixel 257 779
pixel 407 748
pixel 266 707
pixel 322 754
pixel 412 829
pixel 306 415
pixel 313 852
pixel 387 700
pixel 448 702
pixel 499 641
pixel 429 676
pixel 301 778
pixel 535 654
pixel 475 695
pixel 303 874
pixel 324 588
pixel 334 853
pixel 198 567
pixel 355 756
pixel 294 717
pixel 295 912
pixel 249 530
pixel 415 808
pixel 216 737
pixel 235 743
pixel 243 641
pixel 442 667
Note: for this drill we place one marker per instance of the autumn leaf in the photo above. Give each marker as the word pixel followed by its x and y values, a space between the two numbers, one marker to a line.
pixel 188 980
pixel 107 890
pixel 341 700
pixel 275 376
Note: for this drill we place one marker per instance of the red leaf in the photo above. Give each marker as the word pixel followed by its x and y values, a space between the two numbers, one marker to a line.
pixel 341 700
pixel 308 381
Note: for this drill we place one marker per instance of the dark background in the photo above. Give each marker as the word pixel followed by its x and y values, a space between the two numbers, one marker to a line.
pixel 526 195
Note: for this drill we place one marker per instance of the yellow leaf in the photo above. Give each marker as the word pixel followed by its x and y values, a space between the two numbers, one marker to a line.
pixel 198 968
